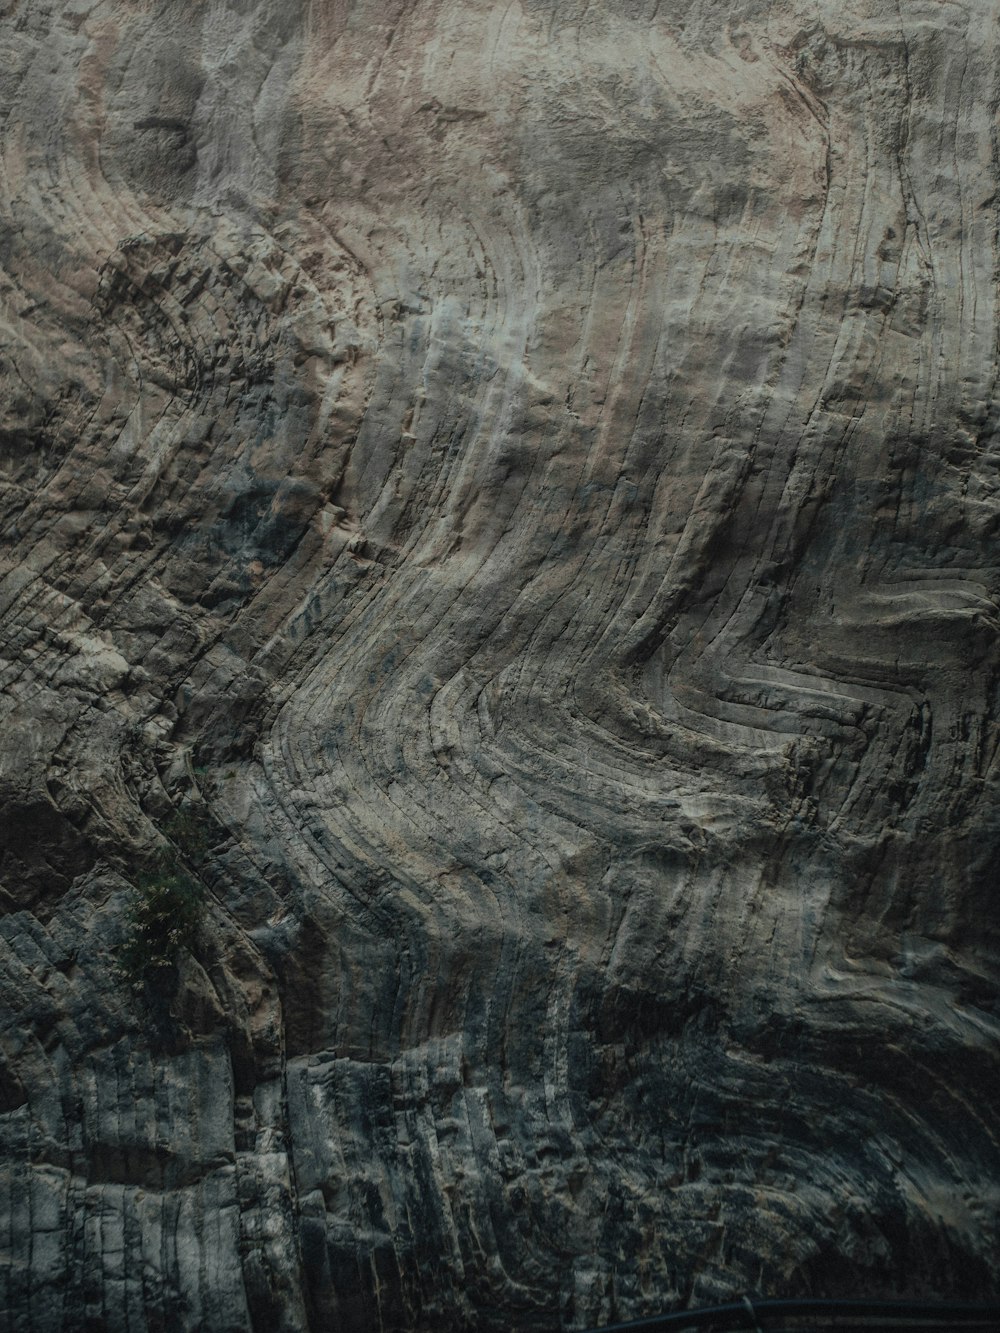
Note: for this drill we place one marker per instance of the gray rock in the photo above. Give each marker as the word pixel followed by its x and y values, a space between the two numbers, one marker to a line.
pixel 506 498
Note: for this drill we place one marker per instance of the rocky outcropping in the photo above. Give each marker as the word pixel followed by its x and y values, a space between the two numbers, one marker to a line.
pixel 507 497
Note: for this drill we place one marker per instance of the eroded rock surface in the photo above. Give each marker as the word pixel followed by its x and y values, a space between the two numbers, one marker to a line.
pixel 521 481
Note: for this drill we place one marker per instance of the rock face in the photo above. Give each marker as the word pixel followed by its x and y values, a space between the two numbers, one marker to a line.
pixel 510 494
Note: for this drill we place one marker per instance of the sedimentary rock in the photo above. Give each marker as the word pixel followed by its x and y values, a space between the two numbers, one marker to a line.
pixel 507 496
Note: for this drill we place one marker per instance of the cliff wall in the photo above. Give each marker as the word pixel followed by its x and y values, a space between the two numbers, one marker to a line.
pixel 507 497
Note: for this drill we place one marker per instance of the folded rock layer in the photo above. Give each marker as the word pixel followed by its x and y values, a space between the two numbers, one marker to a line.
pixel 506 496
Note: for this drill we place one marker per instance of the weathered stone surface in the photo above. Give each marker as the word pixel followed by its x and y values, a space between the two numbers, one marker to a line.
pixel 524 481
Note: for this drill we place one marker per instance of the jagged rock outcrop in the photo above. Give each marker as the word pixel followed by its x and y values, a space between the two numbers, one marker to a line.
pixel 509 494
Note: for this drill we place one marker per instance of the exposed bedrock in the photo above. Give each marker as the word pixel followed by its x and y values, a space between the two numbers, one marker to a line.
pixel 510 495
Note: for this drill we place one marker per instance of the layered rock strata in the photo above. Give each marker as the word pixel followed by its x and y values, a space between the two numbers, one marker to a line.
pixel 509 494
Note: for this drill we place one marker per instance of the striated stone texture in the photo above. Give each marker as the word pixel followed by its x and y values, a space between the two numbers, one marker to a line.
pixel 523 481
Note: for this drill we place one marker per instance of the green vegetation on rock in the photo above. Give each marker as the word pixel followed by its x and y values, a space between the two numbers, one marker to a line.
pixel 162 918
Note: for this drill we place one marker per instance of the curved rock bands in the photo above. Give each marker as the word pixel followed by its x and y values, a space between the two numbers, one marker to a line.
pixel 506 496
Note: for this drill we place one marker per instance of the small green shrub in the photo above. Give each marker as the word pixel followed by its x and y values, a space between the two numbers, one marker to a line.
pixel 193 831
pixel 162 918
